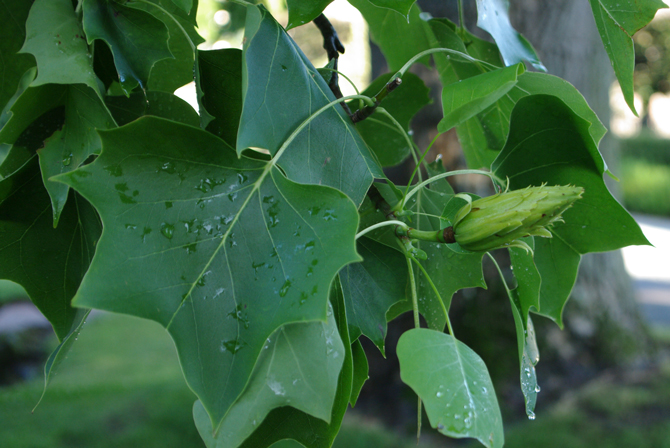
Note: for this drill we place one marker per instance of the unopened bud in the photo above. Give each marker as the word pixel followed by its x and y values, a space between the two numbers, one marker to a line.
pixel 501 220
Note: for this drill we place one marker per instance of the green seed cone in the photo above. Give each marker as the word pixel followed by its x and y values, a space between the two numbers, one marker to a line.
pixel 500 220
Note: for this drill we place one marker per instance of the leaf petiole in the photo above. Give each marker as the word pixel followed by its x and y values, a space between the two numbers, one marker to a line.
pixel 381 224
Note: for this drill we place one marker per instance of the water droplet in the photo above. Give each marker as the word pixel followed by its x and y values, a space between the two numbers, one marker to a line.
pixel 167 230
pixel 438 395
pixel 233 346
pixel 67 160
pixel 537 388
pixel 131 227
pixel 531 415
pixel 168 204
pixel 485 390
pixel 285 287
pixel 146 231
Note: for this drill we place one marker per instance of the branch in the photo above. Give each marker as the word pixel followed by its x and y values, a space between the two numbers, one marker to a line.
pixel 333 47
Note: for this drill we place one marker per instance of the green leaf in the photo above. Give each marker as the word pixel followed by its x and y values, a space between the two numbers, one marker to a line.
pixel 55 37
pixel 13 15
pixel 70 146
pixel 400 6
pixel 463 100
pixel 360 371
pixel 371 288
pixel 399 38
pixel 382 136
pixel 290 423
pixel 492 16
pixel 529 356
pixel 549 143
pixel 185 5
pixel 167 75
pixel 298 367
pixel 453 383
pixel 617 21
pixel 281 89
pixel 137 39
pixel 448 270
pixel 158 104
pixel 221 85
pixel 558 264
pixel 433 169
pixel 527 278
pixel 49 263
pixel 219 250
pixel 59 354
pixel 301 11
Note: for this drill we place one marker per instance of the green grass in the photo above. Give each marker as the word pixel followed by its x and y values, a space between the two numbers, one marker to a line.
pixel 121 386
pixel 645 186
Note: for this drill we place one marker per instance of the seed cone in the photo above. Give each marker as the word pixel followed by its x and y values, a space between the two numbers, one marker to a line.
pixel 500 220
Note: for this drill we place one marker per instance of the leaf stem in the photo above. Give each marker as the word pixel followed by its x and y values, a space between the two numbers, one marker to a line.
pixel 381 224
pixel 344 76
pixel 437 293
pixel 461 15
pixel 414 190
pixel 400 73
pixel 502 277
pixel 412 282
pixel 417 167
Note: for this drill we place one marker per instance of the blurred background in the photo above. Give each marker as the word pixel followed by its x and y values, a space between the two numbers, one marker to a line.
pixel 604 377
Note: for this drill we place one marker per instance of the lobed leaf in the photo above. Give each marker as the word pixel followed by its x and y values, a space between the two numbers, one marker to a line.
pixel 453 384
pixel 298 367
pixel 13 15
pixel 281 89
pixel 219 250
pixel 617 21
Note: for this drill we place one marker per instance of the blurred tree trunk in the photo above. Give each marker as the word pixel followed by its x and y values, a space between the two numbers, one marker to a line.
pixel 602 317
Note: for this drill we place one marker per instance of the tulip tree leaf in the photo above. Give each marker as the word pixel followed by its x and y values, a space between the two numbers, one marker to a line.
pixel 529 355
pixel 328 151
pixel 617 21
pixel 360 371
pixel 301 11
pixel 379 132
pixel 291 423
pixel 70 146
pixel 400 6
pixel 549 143
pixel 453 384
pixel 221 84
pixel 219 250
pixel 399 38
pixel 55 37
pixel 527 277
pixel 448 270
pixel 492 16
pixel 463 100
pixel 370 289
pixel 158 104
pixel 298 367
pixel 13 15
pixel 48 262
pixel 137 39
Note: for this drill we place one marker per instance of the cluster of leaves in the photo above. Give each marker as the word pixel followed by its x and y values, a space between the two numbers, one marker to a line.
pixel 116 195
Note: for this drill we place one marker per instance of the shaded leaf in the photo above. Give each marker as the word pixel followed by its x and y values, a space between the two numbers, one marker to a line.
pixel 382 136
pixel 527 278
pixel 360 372
pixel 401 6
pixel 70 146
pixel 492 16
pixel 290 423
pixel 529 355
pixel 281 89
pixel 13 15
pixel 137 39
pixel 464 99
pixel 454 385
pixel 221 85
pixel 617 21
pixel 370 289
pixel 49 263
pixel 298 367
pixel 55 37
pixel 301 11
pixel 399 38
pixel 185 5
pixel 158 104
pixel 221 251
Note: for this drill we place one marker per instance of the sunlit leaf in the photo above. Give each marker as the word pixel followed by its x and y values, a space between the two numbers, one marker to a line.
pixel 159 104
pixel 492 16
pixel 301 11
pixel 453 384
pixel 617 21
pixel 221 251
